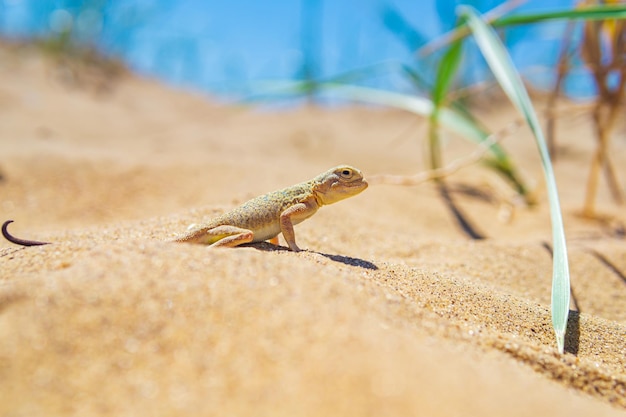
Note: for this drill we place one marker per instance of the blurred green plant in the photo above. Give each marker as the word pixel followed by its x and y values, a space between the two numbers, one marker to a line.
pixel 505 73
pixel 71 44
pixel 507 76
pixel 501 65
pixel 443 109
pixel 311 26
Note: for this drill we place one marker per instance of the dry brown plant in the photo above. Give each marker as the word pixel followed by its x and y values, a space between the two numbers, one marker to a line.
pixel 604 51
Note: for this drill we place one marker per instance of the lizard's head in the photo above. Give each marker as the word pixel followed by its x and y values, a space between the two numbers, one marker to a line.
pixel 339 183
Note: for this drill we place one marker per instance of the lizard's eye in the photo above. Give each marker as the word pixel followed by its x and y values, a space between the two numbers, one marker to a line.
pixel 346 173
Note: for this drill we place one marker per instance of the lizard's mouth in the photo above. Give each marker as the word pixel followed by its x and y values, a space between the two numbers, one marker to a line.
pixel 358 184
pixel 344 186
pixel 342 190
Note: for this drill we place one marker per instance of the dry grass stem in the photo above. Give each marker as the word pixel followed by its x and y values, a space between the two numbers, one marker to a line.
pixel 453 167
pixel 593 49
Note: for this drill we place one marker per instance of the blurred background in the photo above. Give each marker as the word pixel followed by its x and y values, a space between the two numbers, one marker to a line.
pixel 223 48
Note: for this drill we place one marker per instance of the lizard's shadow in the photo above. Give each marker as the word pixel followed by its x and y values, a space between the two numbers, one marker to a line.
pixel 346 260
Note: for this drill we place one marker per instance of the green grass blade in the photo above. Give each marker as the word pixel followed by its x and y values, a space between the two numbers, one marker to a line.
pixel 453 120
pixel 414 104
pixel 395 22
pixel 447 70
pixel 596 12
pixel 584 13
pixel 502 66
pixel 273 88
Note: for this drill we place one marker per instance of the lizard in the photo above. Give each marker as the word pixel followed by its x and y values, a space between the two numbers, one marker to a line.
pixel 265 217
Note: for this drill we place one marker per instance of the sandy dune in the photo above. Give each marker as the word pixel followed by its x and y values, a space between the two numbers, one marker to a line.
pixel 392 311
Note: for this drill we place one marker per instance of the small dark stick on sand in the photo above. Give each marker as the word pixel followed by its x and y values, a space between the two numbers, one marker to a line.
pixel 17 240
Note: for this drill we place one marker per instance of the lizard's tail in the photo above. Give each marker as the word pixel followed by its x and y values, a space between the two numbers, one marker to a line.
pixel 17 240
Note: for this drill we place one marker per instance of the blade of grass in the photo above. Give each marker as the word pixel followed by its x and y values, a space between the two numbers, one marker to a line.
pixel 504 70
pixel 272 88
pixel 446 72
pixel 414 104
pixel 587 13
pixel 445 75
pixel 600 12
pixel 395 22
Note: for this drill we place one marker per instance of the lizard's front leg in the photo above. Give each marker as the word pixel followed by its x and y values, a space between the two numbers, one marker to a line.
pixel 294 215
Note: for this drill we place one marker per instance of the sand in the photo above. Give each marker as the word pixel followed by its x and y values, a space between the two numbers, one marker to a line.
pixel 392 310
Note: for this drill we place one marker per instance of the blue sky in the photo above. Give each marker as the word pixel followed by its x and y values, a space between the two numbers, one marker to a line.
pixel 221 46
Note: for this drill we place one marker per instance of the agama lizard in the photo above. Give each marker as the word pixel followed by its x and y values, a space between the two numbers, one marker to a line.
pixel 264 217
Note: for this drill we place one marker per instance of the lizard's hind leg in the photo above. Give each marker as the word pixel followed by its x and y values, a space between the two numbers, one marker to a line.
pixel 229 236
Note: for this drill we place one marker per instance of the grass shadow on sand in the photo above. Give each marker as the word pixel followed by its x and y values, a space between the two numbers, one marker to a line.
pixel 572 335
pixel 610 265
